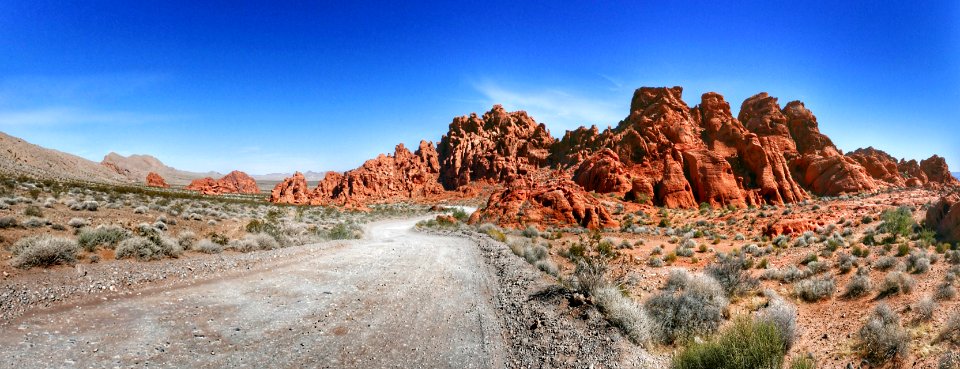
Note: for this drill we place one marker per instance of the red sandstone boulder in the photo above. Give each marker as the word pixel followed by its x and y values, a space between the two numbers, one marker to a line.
pixel 944 217
pixel 155 180
pixel 234 182
pixel 495 147
pixel 558 203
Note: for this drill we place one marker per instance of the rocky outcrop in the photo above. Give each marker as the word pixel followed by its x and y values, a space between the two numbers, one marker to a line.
pixel 932 172
pixel 820 166
pixel 937 172
pixel 603 172
pixel 690 156
pixel 558 203
pixel 663 152
pixel 155 180
pixel 495 147
pixel 234 182
pixel 292 190
pixel 402 176
pixel 879 165
pixel 944 218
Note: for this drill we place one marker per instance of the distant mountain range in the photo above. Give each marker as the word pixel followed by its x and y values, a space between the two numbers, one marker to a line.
pixel 21 157
pixel 18 156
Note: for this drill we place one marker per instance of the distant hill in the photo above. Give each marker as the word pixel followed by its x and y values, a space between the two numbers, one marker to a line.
pixel 310 176
pixel 136 167
pixel 21 157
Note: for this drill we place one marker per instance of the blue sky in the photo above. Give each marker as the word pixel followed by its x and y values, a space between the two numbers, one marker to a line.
pixel 314 85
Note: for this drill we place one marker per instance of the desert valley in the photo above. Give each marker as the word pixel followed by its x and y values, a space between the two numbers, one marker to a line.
pixel 681 236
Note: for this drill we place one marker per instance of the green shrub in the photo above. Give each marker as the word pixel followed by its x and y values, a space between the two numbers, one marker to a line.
pixel 103 235
pixel 746 344
pixel 802 362
pixel 460 214
pixel 345 231
pixel 43 250
pixel 33 211
pixel 493 231
pixel 897 222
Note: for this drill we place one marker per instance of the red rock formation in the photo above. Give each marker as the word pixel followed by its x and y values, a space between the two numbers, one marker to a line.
pixel 937 172
pixel 398 177
pixel 820 166
pixel 690 156
pixel 912 174
pixel 559 202
pixel 206 186
pixel 155 180
pixel 495 147
pixel 603 172
pixel 292 190
pixel 234 182
pixel 944 217
pixel 402 176
pixel 238 182
pixel 879 165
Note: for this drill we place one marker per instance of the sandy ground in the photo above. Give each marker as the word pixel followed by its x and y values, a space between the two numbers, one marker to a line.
pixel 394 299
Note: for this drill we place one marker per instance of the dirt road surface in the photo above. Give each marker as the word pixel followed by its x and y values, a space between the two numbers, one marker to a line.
pixel 396 299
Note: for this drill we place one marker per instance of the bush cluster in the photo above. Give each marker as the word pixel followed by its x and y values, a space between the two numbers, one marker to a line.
pixel 689 305
pixel 43 250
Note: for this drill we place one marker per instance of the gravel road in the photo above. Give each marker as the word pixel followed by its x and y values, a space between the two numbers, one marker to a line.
pixel 397 298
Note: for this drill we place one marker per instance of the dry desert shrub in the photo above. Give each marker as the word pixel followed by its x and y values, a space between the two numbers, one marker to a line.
pixel 103 235
pixel 208 247
pixel 43 250
pixel 151 247
pixel 689 305
pixel 859 285
pixel 254 242
pixel 896 283
pixel 882 338
pixel 815 289
pixel 731 272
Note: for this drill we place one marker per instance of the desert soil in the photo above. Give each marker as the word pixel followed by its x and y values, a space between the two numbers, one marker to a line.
pixel 396 298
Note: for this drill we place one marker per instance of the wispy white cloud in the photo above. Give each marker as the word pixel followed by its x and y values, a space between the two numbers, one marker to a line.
pixel 71 116
pixel 559 109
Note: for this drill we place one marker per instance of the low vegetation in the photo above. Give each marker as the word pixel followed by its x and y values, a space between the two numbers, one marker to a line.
pixel 746 344
pixel 882 339
pixel 43 251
